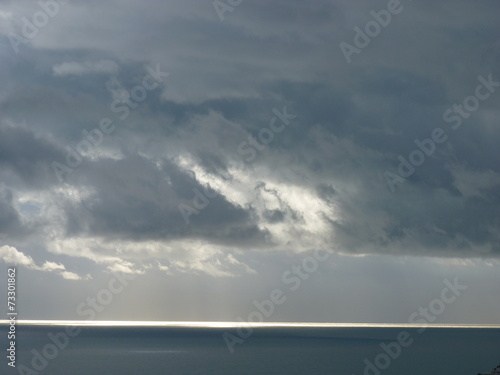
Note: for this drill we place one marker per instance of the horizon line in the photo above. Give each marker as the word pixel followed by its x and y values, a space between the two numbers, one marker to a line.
pixel 236 324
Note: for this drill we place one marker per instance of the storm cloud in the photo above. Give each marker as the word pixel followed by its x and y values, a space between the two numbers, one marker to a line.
pixel 161 137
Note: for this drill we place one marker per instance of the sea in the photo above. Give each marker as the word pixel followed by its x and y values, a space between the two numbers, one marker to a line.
pixel 226 348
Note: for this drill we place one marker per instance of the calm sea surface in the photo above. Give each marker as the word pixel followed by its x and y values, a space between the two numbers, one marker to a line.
pixel 268 351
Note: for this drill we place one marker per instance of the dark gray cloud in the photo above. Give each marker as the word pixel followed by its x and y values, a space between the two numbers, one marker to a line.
pixel 9 218
pixel 200 173
pixel 28 156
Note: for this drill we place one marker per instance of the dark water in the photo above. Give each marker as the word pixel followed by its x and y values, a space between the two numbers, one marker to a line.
pixel 291 350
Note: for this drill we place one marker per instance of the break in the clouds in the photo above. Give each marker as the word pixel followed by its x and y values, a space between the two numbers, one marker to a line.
pixel 185 138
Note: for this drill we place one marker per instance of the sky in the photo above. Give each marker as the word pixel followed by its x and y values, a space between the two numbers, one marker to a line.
pixel 319 161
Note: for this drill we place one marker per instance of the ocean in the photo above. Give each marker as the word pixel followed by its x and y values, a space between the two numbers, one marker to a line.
pixel 269 350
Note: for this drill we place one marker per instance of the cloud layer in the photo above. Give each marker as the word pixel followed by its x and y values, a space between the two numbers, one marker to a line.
pixel 153 137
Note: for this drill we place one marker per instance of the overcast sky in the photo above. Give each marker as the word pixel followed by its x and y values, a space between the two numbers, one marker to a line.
pixel 206 150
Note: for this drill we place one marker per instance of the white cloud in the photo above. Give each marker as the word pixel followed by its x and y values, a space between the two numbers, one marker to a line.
pixel 474 183
pixel 73 276
pixel 51 266
pixel 182 256
pixel 11 255
pixel 87 67
pixel 5 15
pixel 124 267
